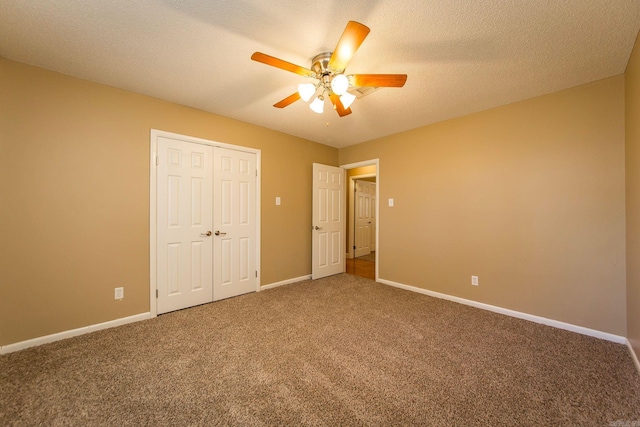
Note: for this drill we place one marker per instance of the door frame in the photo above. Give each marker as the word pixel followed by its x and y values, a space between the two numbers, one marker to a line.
pixel 153 200
pixel 376 163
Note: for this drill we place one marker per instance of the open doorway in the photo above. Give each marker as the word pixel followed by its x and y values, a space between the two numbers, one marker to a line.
pixel 362 224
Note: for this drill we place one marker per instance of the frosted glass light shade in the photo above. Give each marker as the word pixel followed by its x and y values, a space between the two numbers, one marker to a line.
pixel 306 91
pixel 317 105
pixel 347 99
pixel 339 84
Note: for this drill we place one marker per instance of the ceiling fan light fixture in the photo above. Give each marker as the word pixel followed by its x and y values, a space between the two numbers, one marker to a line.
pixel 339 84
pixel 328 68
pixel 317 105
pixel 306 91
pixel 347 99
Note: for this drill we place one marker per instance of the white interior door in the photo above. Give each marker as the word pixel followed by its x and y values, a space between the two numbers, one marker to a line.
pixel 234 222
pixel 328 222
pixel 184 224
pixel 364 217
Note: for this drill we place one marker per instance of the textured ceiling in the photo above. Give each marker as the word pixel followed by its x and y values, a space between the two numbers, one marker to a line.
pixel 460 56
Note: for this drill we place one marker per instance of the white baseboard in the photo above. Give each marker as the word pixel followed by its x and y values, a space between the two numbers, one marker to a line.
pixel 537 319
pixel 634 356
pixel 285 282
pixel 72 333
pixel 10 348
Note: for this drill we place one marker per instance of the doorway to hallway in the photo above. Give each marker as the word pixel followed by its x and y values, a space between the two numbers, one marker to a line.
pixel 362 226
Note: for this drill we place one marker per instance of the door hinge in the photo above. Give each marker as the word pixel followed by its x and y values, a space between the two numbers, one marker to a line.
pixel 354 247
pixel 157 160
pixel 156 293
pixel 256 273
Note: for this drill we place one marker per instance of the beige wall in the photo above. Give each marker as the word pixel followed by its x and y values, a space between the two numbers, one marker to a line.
pixel 632 122
pixel 530 197
pixel 74 198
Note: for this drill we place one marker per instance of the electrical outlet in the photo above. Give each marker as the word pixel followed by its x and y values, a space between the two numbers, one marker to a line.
pixel 474 280
pixel 119 293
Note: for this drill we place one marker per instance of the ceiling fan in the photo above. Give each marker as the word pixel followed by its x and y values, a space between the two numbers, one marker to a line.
pixel 328 69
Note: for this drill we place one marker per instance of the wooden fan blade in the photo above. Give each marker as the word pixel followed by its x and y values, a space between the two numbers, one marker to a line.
pixel 349 42
pixel 288 100
pixel 378 80
pixel 335 100
pixel 284 65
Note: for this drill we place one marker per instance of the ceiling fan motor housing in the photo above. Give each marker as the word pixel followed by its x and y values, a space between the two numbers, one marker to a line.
pixel 320 66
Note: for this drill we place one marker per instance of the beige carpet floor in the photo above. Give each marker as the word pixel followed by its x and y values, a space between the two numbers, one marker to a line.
pixel 339 351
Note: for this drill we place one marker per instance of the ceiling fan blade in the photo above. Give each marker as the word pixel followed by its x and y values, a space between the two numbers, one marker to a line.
pixel 288 100
pixel 378 80
pixel 349 42
pixel 335 100
pixel 284 65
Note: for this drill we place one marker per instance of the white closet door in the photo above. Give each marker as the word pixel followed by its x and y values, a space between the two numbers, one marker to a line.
pixel 234 223
pixel 184 224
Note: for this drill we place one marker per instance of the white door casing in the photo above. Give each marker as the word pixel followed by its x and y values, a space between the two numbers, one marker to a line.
pixel 184 223
pixel 234 223
pixel 328 222
pixel 374 220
